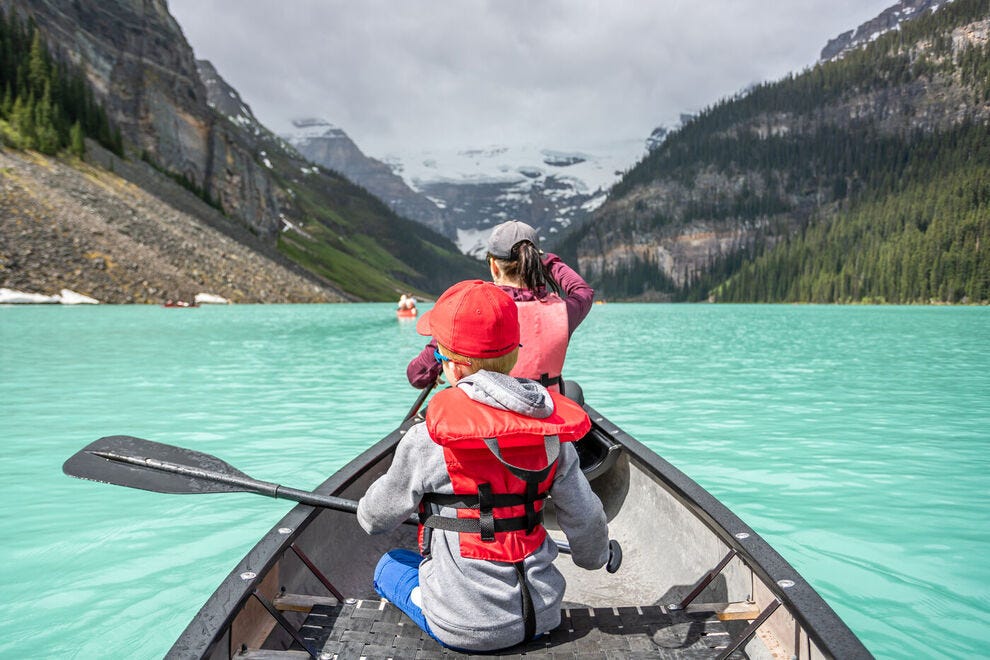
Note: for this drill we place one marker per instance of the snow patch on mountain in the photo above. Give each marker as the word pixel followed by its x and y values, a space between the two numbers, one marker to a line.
pixel 473 241
pixel 590 170
pixel 889 19
pixel 314 127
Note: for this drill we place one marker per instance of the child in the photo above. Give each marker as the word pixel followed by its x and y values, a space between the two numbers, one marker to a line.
pixel 477 470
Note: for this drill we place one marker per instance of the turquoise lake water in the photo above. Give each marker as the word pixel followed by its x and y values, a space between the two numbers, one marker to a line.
pixel 856 440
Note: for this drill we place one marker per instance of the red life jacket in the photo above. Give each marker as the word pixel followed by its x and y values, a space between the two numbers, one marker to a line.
pixel 543 333
pixel 501 466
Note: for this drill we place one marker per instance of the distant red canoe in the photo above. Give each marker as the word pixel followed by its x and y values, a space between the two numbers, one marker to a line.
pixel 406 313
pixel 179 303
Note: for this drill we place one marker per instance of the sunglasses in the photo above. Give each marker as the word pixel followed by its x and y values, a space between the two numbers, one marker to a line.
pixel 441 358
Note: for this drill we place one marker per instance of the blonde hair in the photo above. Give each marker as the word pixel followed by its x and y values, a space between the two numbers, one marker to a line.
pixel 502 364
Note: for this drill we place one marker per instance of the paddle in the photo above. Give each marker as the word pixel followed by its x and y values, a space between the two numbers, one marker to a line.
pixel 124 460
pixel 127 461
pixel 420 400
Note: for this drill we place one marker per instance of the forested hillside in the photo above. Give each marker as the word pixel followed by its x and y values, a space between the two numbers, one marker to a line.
pixel 861 179
pixel 919 235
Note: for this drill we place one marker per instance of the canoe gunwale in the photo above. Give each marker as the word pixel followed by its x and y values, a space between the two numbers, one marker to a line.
pixel 220 609
pixel 816 617
pixel 826 630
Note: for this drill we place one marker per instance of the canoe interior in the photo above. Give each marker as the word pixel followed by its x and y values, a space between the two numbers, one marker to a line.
pixel 673 533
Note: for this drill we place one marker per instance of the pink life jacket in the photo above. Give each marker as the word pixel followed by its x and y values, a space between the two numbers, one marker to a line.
pixel 499 503
pixel 543 333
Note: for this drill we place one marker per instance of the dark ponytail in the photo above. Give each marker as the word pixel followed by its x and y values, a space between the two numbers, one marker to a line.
pixel 526 265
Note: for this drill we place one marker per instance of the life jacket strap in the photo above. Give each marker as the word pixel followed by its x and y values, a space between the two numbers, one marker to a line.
pixel 528 612
pixel 546 381
pixel 471 501
pixel 486 513
pixel 532 493
pixel 551 444
pixel 473 525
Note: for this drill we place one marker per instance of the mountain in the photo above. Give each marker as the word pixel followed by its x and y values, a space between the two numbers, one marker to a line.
pixel 889 19
pixel 550 189
pixel 865 178
pixel 464 193
pixel 325 144
pixel 142 71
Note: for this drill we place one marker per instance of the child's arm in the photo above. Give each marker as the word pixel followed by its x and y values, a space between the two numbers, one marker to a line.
pixel 579 512
pixel 395 496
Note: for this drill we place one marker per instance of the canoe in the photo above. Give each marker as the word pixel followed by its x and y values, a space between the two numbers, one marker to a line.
pixel 406 313
pixel 695 581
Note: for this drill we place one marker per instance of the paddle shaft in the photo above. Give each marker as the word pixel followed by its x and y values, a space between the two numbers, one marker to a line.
pixel 420 400
pixel 245 483
pixel 242 482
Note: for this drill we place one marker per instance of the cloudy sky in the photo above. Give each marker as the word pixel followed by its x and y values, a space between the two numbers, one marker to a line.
pixel 402 76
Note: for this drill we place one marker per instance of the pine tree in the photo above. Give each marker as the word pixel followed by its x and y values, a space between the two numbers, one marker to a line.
pixel 77 145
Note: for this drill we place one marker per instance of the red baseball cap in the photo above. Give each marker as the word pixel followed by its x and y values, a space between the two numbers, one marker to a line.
pixel 474 319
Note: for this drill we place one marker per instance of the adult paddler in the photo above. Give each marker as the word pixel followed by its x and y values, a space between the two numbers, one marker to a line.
pixel 547 319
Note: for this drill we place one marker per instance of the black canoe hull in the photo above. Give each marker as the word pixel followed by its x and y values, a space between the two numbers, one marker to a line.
pixel 672 532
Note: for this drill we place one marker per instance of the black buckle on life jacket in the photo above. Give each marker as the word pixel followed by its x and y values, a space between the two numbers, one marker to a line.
pixel 486 519
pixel 532 496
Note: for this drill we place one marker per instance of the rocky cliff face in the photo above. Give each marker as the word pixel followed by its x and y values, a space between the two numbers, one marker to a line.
pixel 144 73
pixel 671 229
pixel 646 230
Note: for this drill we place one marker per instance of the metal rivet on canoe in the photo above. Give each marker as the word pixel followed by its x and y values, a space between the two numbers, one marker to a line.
pixel 599 419
pixel 742 535
pixel 785 584
pixel 673 607
pixel 284 530
pixel 248 575
pixel 350 601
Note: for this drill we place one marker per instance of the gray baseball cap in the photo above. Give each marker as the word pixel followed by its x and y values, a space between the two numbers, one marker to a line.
pixel 507 235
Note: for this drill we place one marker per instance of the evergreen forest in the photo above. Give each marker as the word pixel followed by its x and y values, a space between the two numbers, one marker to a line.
pixel 879 208
pixel 46 104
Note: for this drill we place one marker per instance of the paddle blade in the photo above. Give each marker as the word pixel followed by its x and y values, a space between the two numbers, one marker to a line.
pixel 127 461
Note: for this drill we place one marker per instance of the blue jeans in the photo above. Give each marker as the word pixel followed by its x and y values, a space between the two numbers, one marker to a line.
pixel 396 575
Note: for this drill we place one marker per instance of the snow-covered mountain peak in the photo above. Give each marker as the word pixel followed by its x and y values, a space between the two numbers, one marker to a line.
pixel 464 192
pixel 590 169
pixel 308 128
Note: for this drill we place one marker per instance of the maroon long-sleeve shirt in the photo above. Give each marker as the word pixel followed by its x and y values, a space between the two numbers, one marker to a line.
pixel 424 370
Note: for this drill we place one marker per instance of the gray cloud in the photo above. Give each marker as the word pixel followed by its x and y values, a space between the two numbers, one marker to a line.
pixel 403 75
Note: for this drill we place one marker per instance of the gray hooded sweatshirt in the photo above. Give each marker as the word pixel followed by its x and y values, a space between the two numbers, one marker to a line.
pixel 476 604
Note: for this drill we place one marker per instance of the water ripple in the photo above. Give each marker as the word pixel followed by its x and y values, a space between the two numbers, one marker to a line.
pixel 853 438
